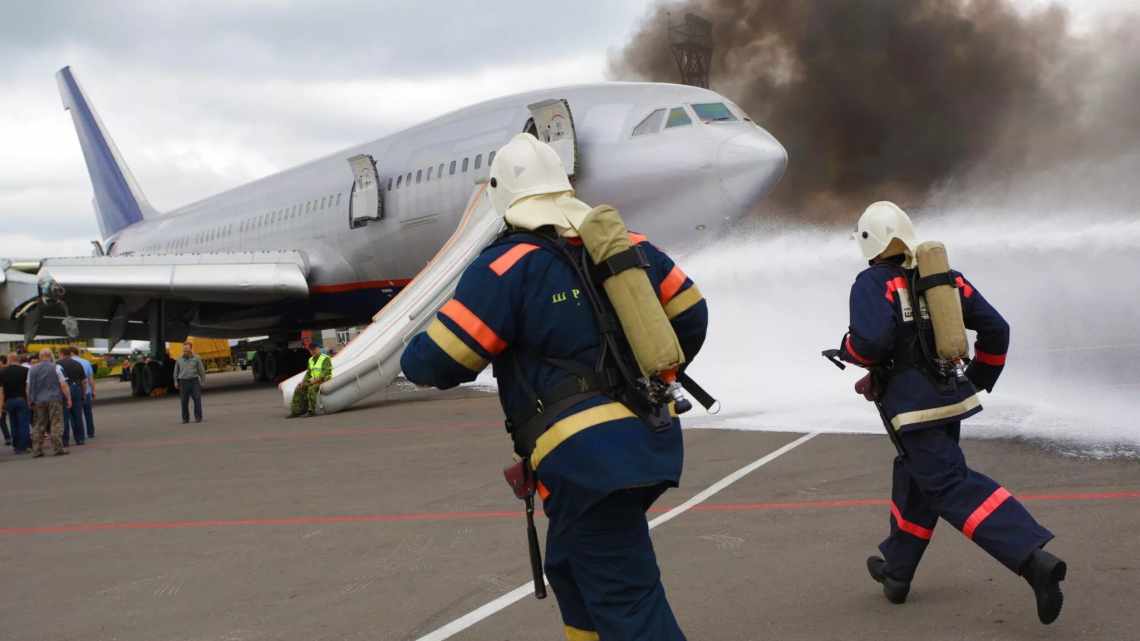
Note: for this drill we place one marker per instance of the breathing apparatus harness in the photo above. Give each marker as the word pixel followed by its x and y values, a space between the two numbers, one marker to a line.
pixel 916 350
pixel 613 373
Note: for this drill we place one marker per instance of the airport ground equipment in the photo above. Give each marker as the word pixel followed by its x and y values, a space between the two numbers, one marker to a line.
pixel 371 361
pixel 214 352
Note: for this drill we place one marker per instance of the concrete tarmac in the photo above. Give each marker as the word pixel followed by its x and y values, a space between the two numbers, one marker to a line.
pixel 391 520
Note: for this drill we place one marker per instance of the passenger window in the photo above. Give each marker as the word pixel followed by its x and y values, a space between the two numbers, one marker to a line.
pixel 419 176
pixel 451 171
pixel 478 160
pixel 439 172
pixel 678 117
pixel 389 184
pixel 464 165
pixel 429 172
pixel 308 206
pixel 713 112
pixel 338 198
pixel 399 181
pixel 651 124
pixel 490 158
pixel 408 180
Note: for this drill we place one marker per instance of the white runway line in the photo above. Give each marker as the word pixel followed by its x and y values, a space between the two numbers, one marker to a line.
pixel 521 592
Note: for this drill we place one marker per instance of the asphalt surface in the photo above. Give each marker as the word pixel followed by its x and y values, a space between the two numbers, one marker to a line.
pixel 392 520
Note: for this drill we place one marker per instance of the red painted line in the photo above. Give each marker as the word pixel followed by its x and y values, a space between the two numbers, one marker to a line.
pixel 364 284
pixel 296 520
pixel 429 517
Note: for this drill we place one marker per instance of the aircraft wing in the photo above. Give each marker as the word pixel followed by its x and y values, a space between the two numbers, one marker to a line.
pixel 100 290
pixel 250 277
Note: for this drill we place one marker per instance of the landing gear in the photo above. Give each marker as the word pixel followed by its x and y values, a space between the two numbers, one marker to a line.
pixel 137 387
pixel 273 363
pixel 150 376
pixel 157 374
pixel 271 367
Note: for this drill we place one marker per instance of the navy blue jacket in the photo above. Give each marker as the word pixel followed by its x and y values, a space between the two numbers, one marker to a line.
pixel 520 299
pixel 882 319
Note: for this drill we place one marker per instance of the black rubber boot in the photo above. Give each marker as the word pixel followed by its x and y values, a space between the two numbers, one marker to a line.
pixel 1044 573
pixel 894 589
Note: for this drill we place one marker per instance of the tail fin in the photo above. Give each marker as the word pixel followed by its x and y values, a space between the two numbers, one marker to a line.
pixel 118 200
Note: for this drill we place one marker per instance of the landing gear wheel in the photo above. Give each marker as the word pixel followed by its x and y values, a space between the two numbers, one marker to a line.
pixel 150 375
pixel 271 367
pixel 258 367
pixel 137 373
pixel 298 361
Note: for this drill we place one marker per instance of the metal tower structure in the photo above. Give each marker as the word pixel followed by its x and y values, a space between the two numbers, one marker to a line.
pixel 692 44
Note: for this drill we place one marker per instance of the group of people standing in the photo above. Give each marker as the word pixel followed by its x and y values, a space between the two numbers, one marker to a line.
pixel 45 399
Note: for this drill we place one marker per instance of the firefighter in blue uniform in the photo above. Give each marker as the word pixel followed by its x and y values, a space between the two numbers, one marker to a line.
pixel 521 306
pixel 924 408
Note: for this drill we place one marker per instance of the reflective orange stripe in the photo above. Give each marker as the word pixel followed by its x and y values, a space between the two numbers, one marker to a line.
pixel 984 511
pixel 672 284
pixel 856 355
pixel 474 326
pixel 504 263
pixel 997 360
pixel 967 291
pixel 913 529
pixel 893 285
pixel 637 239
pixel 543 493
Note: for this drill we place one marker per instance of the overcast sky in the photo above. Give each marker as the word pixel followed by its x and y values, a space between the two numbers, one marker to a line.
pixel 202 96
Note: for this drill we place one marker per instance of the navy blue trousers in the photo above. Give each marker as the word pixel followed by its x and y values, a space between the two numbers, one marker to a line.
pixel 604 572
pixel 933 481
pixel 73 416
pixel 88 415
pixel 20 417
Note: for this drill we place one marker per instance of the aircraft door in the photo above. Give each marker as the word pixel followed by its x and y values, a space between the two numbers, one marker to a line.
pixel 554 124
pixel 364 203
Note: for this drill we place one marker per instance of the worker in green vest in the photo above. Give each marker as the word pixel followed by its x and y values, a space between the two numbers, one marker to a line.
pixel 305 396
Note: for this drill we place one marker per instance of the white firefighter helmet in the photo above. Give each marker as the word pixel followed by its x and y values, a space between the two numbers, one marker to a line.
pixel 530 189
pixel 880 226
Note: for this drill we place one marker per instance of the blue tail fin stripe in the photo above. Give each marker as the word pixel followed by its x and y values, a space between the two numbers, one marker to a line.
pixel 116 204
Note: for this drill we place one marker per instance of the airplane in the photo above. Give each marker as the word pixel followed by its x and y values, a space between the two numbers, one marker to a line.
pixel 328 243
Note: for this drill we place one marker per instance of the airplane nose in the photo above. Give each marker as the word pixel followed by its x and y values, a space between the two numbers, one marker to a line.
pixel 750 164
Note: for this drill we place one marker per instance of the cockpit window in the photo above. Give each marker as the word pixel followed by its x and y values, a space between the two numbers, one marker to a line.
pixel 651 124
pixel 678 117
pixel 713 112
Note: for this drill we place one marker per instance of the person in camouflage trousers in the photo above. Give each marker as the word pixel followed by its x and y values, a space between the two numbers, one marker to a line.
pixel 48 393
pixel 306 395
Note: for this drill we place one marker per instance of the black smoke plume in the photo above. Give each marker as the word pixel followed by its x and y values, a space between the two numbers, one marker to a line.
pixel 892 99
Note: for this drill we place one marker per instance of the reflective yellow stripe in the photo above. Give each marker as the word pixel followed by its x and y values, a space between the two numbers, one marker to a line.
pixel 455 347
pixel 573 424
pixel 934 414
pixel 574 634
pixel 682 302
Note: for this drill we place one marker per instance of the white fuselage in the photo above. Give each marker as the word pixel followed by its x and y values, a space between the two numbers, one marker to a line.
pixel 677 185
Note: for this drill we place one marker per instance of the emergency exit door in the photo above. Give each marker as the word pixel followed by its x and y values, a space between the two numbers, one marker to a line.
pixel 364 203
pixel 554 125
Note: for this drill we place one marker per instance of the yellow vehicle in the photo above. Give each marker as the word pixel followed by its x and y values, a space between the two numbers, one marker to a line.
pixel 97 361
pixel 214 352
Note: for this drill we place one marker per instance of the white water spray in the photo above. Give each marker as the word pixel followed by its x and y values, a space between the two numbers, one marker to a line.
pixel 1069 284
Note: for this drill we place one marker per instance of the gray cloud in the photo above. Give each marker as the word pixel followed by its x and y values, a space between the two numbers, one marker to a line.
pixel 337 39
pixel 201 97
